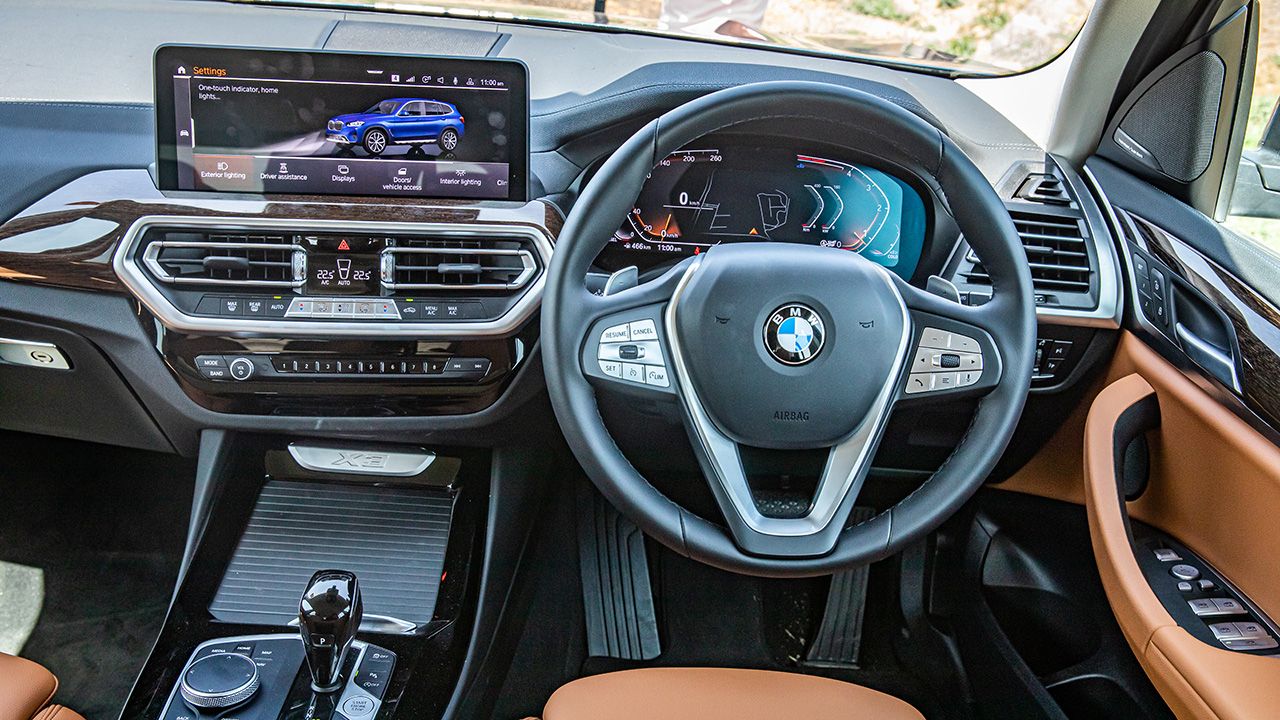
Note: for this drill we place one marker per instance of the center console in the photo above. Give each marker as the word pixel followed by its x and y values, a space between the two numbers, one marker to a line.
pixel 333 233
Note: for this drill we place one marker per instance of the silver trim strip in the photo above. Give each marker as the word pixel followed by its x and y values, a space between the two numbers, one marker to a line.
pixel 1110 308
pixel 355 460
pixel 139 283
pixel 846 462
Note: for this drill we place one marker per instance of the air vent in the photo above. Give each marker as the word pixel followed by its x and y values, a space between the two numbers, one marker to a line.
pixel 1043 188
pixel 457 264
pixel 1057 254
pixel 225 258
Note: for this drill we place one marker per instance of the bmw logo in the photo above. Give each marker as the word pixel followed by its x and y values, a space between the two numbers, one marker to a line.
pixel 794 334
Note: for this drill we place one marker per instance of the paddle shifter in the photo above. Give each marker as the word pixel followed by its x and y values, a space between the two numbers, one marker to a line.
pixel 329 615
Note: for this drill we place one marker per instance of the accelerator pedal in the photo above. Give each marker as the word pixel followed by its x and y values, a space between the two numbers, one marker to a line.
pixel 839 636
pixel 620 615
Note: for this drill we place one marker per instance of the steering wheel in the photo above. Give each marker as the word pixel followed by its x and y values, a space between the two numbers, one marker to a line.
pixel 788 347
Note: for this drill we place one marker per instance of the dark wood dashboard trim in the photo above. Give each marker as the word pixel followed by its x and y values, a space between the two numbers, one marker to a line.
pixel 1255 320
pixel 67 239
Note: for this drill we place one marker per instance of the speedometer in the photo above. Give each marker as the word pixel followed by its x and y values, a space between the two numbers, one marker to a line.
pixel 700 197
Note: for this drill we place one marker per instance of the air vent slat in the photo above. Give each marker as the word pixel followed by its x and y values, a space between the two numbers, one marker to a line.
pixel 459 264
pixel 1057 254
pixel 258 260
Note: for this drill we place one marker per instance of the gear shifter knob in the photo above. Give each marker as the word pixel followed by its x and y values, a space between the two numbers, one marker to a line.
pixel 329 615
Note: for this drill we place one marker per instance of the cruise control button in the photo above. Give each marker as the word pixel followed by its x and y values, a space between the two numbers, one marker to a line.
pixel 644 330
pixel 612 368
pixel 633 372
pixel 617 333
pixel 656 375
pixel 648 352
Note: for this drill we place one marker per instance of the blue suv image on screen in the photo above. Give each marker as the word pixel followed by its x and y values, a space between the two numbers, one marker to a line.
pixel 399 121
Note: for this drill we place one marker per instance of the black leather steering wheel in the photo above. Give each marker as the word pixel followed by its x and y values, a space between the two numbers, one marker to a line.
pixel 789 347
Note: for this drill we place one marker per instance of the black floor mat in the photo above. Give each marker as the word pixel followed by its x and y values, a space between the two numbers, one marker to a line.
pixel 107 526
pixel 707 617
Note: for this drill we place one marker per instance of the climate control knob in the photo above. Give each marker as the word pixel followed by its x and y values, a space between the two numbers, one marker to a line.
pixel 241 368
pixel 219 681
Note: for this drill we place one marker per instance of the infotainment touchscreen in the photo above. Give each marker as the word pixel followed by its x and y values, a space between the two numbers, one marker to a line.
pixel 329 123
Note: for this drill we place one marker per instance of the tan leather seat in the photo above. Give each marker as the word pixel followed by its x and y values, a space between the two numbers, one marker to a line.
pixel 720 694
pixel 25 691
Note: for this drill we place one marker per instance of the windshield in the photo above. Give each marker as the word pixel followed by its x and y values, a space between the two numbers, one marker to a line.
pixel 969 36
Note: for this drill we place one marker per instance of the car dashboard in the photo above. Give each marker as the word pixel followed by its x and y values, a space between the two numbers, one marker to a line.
pixel 394 290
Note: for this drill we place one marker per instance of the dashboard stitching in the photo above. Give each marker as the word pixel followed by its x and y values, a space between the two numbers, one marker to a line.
pixel 140 107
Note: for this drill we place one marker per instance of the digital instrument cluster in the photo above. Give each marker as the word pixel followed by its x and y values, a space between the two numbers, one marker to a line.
pixel 700 197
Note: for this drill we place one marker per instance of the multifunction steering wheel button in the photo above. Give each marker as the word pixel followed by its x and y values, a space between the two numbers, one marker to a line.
pixel 944 361
pixel 632 352
pixel 219 681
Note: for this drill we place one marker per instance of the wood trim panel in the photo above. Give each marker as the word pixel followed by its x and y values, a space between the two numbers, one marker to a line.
pixel 67 239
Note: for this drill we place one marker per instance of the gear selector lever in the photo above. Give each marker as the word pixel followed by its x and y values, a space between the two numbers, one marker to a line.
pixel 329 615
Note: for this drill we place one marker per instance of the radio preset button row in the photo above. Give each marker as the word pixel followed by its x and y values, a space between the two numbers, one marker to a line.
pixel 242 367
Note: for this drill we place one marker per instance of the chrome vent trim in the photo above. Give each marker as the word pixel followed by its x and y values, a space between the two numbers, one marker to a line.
pixel 464 258
pixel 1044 188
pixel 130 269
pixel 291 262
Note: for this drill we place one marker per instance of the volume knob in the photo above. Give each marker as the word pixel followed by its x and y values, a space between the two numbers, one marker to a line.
pixel 241 368
pixel 219 681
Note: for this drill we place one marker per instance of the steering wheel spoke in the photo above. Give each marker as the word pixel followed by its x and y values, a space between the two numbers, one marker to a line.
pixel 954 351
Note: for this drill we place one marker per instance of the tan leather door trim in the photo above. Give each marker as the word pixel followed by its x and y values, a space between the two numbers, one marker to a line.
pixel 1201 452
